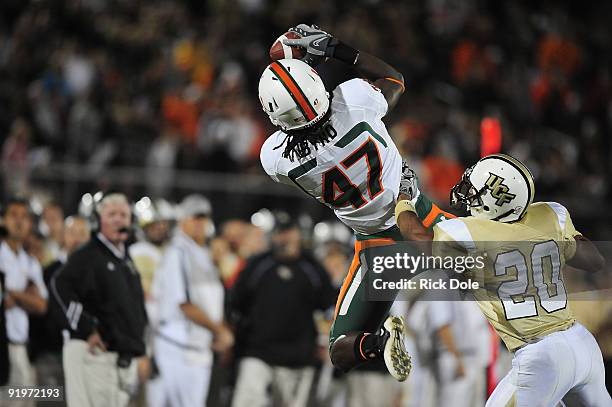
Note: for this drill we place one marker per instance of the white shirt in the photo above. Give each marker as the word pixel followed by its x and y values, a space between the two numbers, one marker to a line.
pixel 467 324
pixel 187 274
pixel 19 270
pixel 361 153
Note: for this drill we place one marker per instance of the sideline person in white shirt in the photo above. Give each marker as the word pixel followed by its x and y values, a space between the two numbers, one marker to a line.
pixel 26 291
pixel 189 296
pixel 454 346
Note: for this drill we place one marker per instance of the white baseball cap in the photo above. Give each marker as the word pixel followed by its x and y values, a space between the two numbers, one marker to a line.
pixel 194 205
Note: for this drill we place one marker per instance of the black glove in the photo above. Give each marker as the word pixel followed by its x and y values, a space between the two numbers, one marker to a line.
pixel 320 45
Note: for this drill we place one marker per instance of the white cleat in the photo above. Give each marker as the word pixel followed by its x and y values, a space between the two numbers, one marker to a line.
pixel 395 355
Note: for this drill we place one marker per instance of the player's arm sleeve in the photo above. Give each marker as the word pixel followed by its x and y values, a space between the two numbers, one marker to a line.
pixel 443 242
pixel 452 238
pixel 567 230
pixel 569 237
pixel 360 93
pixel 67 287
pixel 577 250
pixel 428 212
pixel 269 157
pixel 386 77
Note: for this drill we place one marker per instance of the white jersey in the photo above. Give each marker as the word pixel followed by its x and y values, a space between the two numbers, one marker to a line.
pixel 20 269
pixel 186 273
pixel 357 174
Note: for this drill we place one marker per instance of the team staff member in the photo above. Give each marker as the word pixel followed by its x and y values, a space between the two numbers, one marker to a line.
pixel 453 345
pixel 273 303
pixel 189 295
pixel 100 295
pixel 46 338
pixel 25 289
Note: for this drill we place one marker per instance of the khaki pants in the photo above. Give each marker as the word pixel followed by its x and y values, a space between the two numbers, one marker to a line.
pixel 372 389
pixel 291 386
pixel 94 380
pixel 21 372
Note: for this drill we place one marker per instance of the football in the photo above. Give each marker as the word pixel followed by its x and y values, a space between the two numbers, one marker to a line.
pixel 282 51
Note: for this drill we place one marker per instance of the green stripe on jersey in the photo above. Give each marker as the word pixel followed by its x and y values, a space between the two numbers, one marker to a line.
pixel 302 169
pixel 356 131
pixel 393 233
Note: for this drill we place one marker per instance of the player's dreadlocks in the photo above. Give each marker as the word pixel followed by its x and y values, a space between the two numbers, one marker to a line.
pixel 298 142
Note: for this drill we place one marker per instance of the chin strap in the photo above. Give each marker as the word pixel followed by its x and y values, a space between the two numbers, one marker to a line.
pixel 503 215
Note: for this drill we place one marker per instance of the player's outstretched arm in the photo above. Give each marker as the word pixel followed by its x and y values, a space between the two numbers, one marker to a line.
pixel 426 211
pixel 409 223
pixel 320 45
pixel 389 80
pixel 587 256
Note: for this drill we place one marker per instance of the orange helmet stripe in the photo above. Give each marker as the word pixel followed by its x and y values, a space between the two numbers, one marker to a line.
pixel 294 90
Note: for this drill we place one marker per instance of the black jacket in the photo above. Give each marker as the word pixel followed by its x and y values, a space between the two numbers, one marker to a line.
pixel 45 332
pixel 273 303
pixel 96 290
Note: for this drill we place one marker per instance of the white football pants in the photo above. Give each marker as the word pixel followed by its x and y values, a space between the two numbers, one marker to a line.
pixel 565 362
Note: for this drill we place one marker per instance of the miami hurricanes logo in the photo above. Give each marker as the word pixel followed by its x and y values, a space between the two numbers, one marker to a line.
pixel 498 190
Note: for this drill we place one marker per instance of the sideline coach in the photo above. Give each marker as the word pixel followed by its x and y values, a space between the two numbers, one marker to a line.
pixel 98 291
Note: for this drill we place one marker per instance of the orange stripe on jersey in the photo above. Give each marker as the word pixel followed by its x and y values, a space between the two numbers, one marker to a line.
pixel 347 280
pixel 433 214
pixel 359 246
pixel 294 90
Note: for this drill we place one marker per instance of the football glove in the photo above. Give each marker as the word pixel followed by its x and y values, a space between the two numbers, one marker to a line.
pixel 320 45
pixel 409 184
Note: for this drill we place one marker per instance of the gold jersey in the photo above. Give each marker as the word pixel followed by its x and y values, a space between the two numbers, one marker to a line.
pixel 522 292
pixel 146 257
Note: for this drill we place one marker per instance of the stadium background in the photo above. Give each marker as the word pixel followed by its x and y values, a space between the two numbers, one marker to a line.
pixel 159 98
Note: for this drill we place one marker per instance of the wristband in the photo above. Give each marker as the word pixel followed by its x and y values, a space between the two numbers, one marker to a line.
pixel 344 53
pixel 403 206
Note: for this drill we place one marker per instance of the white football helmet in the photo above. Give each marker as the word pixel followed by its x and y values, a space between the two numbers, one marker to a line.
pixel 292 93
pixel 148 211
pixel 498 187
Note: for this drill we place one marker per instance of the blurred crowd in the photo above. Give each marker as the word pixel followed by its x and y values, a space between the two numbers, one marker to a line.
pixel 172 85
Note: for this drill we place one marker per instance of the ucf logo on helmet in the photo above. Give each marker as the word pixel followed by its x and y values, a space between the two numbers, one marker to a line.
pixel 498 190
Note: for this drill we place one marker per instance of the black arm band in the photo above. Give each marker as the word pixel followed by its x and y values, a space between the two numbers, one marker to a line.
pixel 345 53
